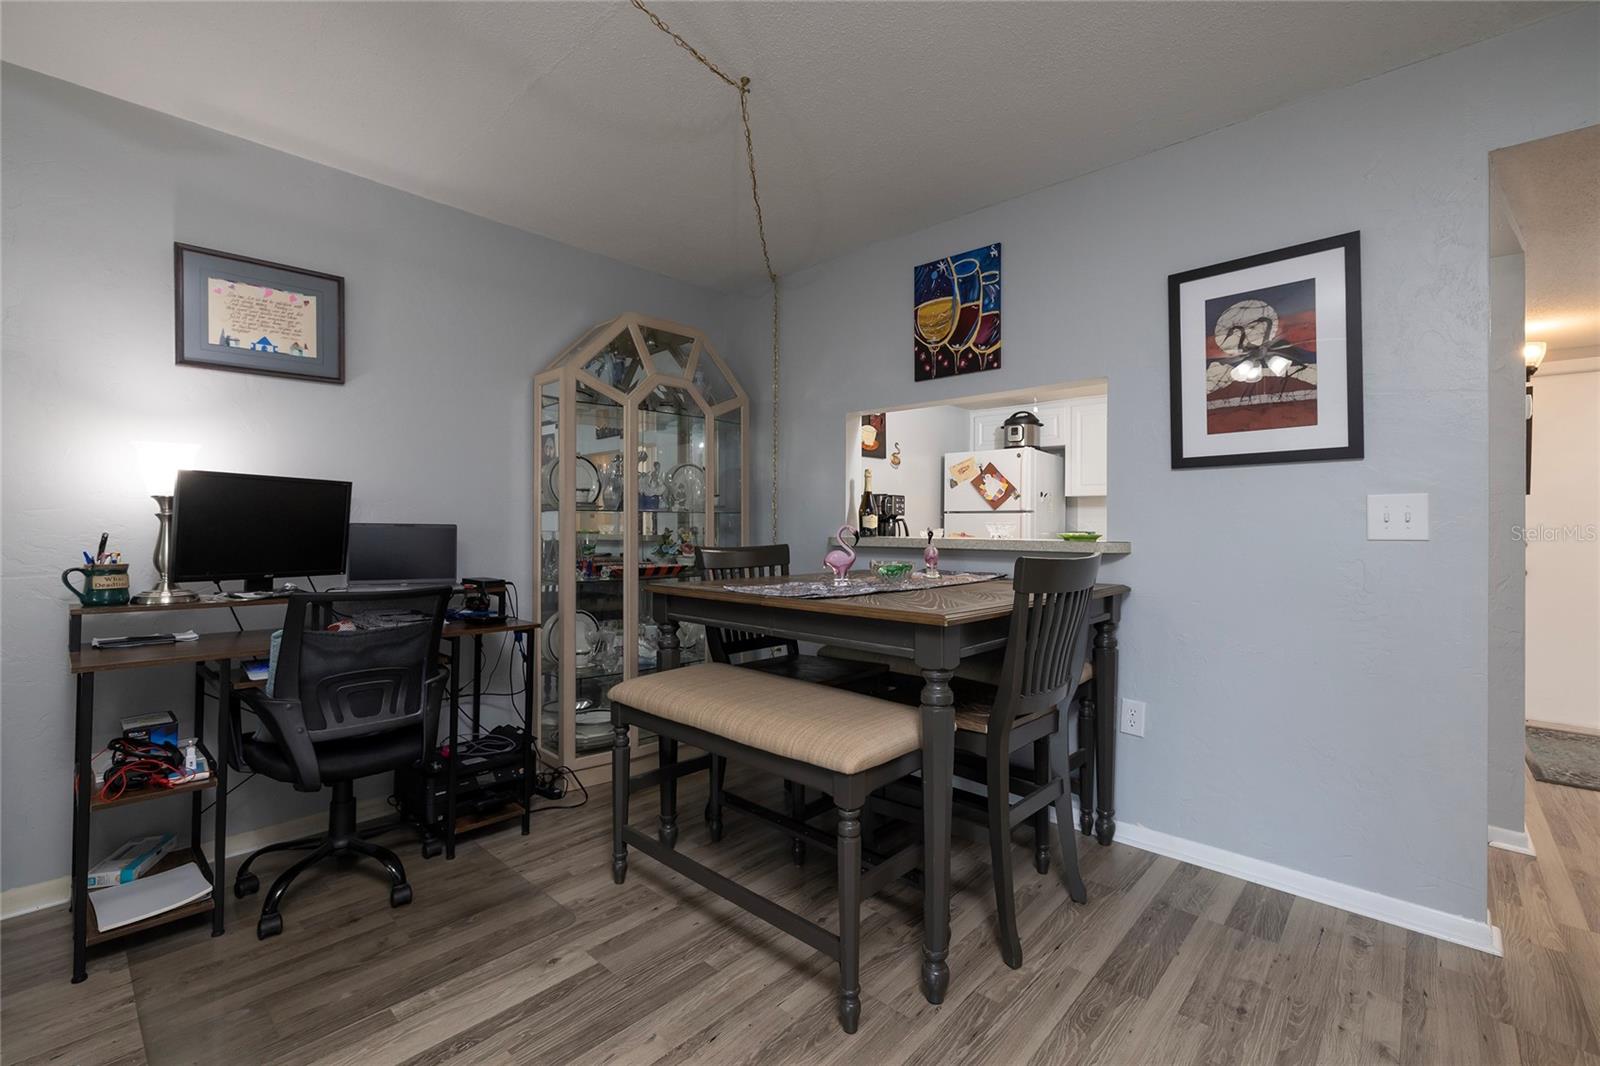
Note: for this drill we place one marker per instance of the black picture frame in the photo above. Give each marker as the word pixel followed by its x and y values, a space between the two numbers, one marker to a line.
pixel 1350 279
pixel 193 266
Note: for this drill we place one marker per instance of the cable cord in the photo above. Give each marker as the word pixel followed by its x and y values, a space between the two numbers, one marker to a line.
pixel 743 85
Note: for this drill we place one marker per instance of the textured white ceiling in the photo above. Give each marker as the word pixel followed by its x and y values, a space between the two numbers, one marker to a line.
pixel 1552 190
pixel 582 122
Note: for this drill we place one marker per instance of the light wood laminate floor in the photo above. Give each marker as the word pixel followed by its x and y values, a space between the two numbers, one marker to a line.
pixel 522 950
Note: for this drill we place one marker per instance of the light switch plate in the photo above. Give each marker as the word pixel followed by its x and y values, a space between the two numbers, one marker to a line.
pixel 1398 516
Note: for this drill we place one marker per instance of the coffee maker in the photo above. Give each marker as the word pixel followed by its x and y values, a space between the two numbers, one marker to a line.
pixel 892 516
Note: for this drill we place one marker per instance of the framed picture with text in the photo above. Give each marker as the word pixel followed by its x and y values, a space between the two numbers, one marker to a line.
pixel 249 315
pixel 1266 357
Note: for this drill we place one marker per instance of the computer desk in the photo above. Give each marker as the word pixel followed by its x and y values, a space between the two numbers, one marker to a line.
pixel 224 651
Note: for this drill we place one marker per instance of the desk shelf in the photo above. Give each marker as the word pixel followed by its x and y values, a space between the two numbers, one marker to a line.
pixel 192 909
pixel 141 795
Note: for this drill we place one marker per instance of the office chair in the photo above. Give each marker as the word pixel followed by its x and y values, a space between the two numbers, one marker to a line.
pixel 355 693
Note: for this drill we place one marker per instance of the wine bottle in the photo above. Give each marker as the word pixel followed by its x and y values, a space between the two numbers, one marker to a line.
pixel 866 514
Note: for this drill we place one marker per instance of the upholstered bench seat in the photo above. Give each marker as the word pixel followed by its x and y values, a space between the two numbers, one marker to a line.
pixel 983 668
pixel 835 729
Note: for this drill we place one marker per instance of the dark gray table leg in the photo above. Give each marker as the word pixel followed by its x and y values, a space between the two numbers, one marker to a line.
pixel 1107 718
pixel 80 828
pixel 669 655
pixel 450 761
pixel 938 768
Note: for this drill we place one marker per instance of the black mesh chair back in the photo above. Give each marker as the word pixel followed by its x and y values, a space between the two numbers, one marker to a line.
pixel 1046 647
pixel 732 564
pixel 359 662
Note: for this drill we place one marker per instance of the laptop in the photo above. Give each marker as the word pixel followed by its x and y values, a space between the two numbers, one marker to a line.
pixel 401 555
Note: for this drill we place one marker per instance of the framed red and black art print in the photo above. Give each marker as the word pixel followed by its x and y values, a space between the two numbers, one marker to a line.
pixel 1266 357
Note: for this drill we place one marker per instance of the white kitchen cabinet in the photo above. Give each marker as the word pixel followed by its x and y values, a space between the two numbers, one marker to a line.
pixel 987 433
pixel 1085 419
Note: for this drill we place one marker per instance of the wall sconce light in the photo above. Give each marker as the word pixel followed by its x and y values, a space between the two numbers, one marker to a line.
pixel 1532 356
pixel 159 463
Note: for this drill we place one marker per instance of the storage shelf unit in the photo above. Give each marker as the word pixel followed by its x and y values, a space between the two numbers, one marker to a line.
pixel 659 428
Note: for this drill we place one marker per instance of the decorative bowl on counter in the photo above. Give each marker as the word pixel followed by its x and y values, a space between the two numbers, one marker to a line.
pixel 891 569
pixel 1079 534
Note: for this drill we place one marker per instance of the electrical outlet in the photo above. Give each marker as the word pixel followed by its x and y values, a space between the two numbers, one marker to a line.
pixel 1398 516
pixel 1132 717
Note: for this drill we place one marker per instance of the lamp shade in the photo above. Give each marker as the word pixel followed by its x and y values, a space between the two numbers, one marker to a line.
pixel 159 463
pixel 1533 354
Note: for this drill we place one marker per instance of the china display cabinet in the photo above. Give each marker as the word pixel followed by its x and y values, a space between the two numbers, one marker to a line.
pixel 640 455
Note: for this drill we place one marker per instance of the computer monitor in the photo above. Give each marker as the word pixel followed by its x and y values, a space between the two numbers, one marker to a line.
pixel 256 528
pixel 402 553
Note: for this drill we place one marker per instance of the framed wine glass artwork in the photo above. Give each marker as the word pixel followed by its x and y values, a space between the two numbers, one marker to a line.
pixel 958 314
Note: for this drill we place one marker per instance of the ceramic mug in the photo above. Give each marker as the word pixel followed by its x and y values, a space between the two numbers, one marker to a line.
pixel 105 585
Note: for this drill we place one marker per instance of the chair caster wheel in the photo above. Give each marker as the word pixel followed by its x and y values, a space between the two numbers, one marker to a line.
pixel 400 895
pixel 246 885
pixel 269 925
pixel 432 849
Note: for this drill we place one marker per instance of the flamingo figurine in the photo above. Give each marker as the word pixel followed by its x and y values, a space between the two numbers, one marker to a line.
pixel 842 558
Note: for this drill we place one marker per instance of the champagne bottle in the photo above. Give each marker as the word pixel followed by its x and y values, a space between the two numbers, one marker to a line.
pixel 866 514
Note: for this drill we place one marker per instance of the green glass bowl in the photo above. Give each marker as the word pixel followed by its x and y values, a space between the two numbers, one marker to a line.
pixel 891 570
pixel 1079 535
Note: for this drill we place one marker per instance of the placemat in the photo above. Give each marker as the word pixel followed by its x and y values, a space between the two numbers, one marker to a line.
pixel 859 585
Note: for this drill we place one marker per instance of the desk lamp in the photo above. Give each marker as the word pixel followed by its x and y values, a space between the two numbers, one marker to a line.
pixel 159 464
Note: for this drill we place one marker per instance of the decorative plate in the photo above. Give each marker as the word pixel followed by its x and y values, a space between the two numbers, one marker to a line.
pixel 584 644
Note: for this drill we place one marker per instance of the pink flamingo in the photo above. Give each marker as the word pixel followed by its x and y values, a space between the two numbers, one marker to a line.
pixel 842 558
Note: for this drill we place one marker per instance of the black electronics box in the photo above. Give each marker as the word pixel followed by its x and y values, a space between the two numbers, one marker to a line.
pixel 484 782
pixel 484 598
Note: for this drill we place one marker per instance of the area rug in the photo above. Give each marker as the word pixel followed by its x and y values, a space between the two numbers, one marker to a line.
pixel 1564 758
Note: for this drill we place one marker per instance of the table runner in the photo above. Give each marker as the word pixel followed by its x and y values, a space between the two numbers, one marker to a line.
pixel 858 585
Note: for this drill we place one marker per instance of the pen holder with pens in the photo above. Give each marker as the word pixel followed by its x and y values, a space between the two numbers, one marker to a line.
pixel 104 584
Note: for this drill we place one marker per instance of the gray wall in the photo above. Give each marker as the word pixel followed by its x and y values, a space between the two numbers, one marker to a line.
pixel 1315 700
pixel 449 316
pixel 1507 660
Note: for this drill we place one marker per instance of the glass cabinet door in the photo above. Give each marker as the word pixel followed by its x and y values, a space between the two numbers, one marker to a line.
pixel 598 647
pixel 548 427
pixel 671 465
pixel 728 513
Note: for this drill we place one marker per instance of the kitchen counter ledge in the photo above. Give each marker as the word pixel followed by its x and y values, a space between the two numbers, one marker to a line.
pixel 1053 546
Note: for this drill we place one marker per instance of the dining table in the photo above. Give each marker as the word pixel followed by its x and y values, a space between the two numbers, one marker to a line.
pixel 937 628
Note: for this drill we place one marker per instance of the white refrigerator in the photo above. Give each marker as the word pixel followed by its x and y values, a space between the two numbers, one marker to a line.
pixel 1010 493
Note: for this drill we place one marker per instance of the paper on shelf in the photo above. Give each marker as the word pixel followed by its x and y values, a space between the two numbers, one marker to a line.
pixel 149 896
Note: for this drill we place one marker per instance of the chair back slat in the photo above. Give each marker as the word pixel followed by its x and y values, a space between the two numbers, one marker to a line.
pixel 735 564
pixel 1046 646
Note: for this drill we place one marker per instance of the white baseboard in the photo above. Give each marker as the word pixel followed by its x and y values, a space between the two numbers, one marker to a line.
pixel 1516 840
pixel 25 899
pixel 1456 928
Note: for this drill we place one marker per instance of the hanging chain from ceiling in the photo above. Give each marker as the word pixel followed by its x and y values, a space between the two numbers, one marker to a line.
pixel 743 85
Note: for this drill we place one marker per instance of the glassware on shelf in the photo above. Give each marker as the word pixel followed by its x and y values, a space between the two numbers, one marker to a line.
pixel 650 489
pixel 612 485
pixel 687 487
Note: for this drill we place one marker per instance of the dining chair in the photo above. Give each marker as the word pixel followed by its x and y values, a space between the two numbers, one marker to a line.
pixel 1028 706
pixel 777 656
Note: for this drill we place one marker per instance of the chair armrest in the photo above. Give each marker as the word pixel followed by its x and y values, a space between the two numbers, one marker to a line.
pixel 286 721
